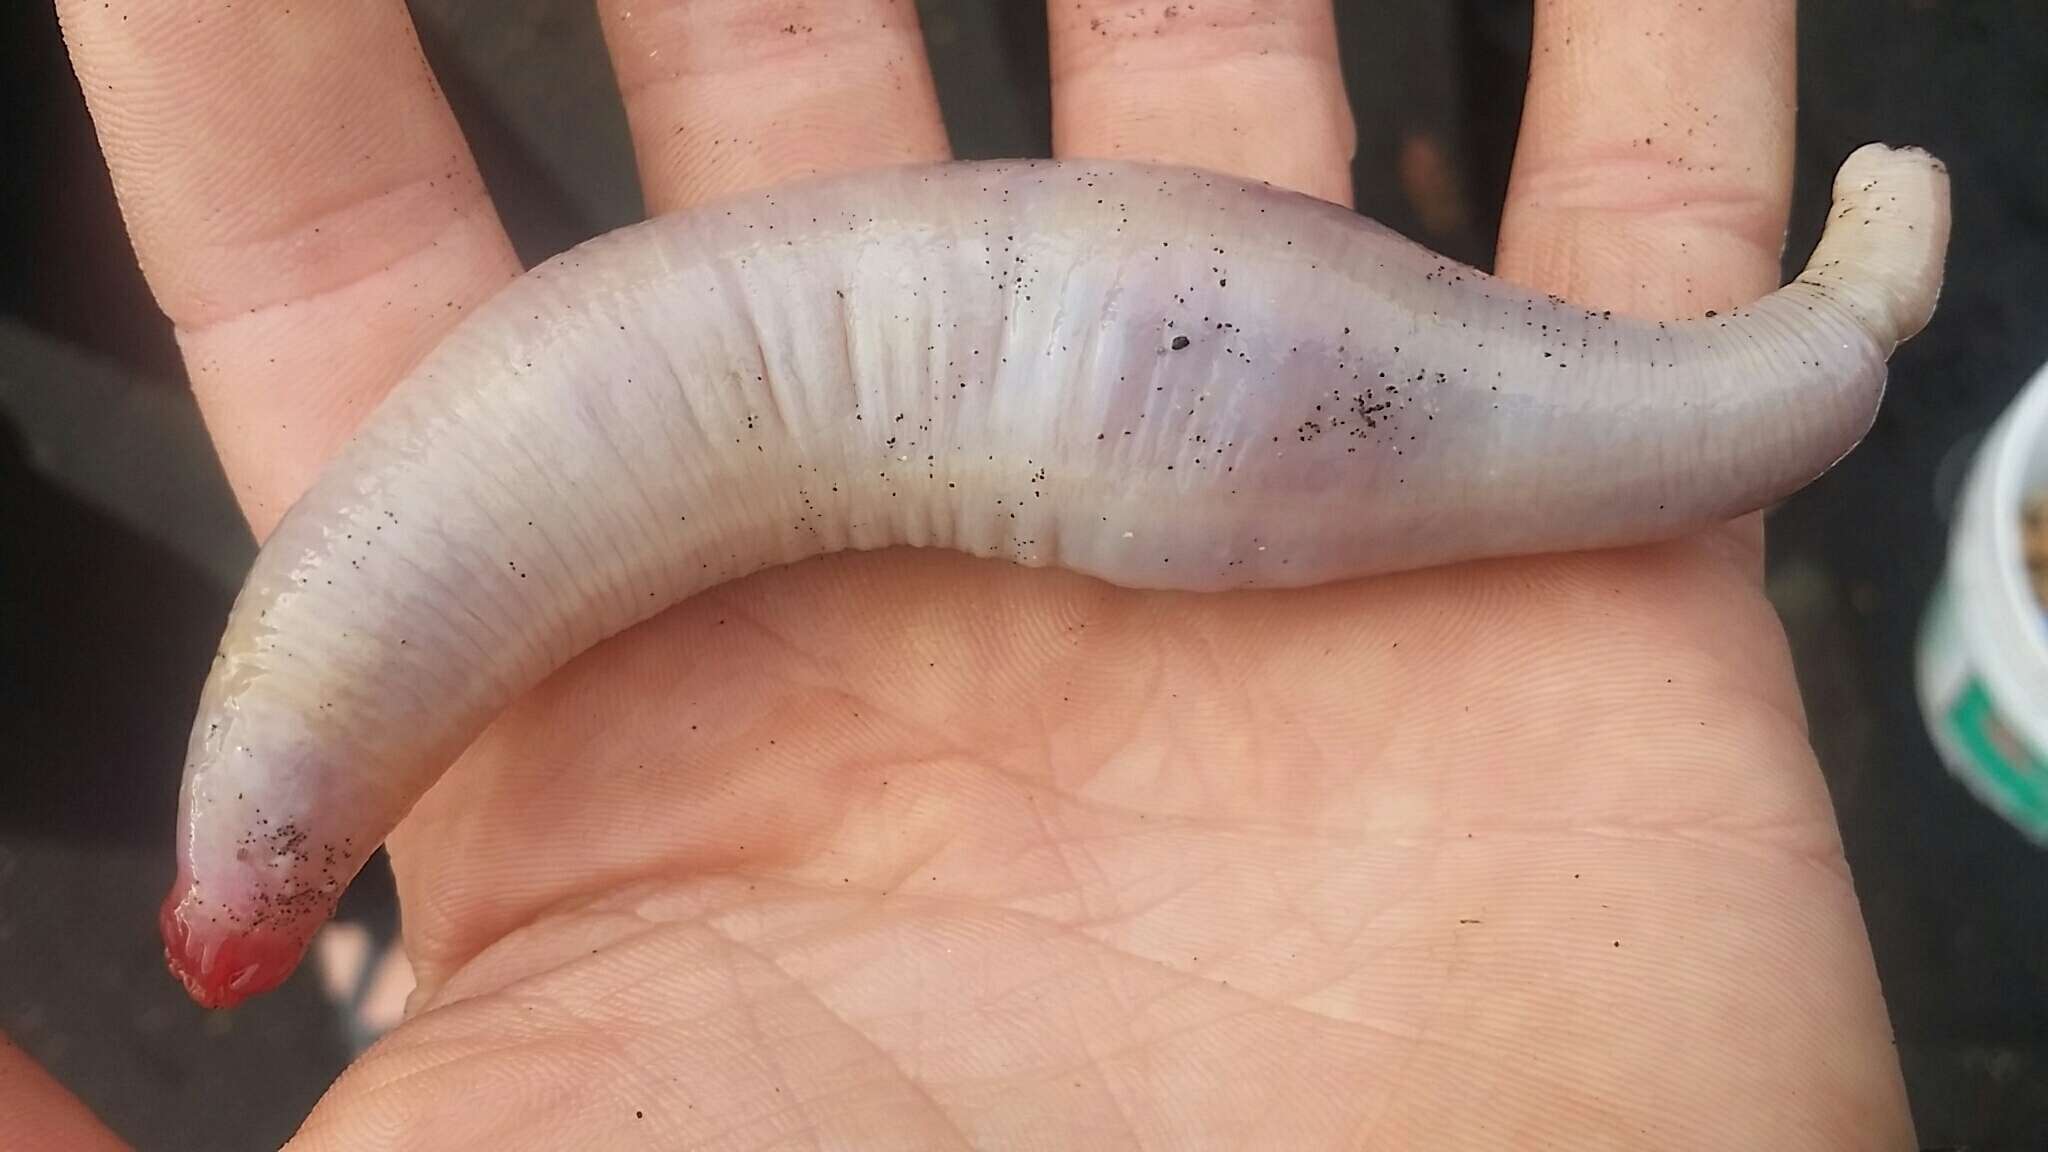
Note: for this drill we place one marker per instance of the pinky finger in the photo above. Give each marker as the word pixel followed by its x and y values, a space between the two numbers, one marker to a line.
pixel 1654 169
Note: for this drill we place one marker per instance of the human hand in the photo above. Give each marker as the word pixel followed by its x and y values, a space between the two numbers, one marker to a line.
pixel 913 850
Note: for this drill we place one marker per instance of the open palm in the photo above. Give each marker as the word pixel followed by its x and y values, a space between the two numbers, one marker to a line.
pixel 915 851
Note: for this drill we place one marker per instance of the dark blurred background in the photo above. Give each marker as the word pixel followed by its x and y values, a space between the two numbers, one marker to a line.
pixel 122 548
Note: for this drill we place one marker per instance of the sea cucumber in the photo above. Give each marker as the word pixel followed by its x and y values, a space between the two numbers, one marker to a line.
pixel 1161 378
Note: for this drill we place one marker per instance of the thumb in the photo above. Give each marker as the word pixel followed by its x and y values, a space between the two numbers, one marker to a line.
pixel 37 1112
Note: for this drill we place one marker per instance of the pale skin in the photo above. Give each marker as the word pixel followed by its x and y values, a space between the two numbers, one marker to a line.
pixel 1519 854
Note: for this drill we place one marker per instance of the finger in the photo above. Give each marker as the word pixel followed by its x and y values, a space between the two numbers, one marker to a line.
pixel 1249 88
pixel 36 1111
pixel 302 203
pixel 1654 169
pixel 727 95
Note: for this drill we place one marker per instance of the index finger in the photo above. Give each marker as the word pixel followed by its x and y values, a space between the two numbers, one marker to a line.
pixel 302 203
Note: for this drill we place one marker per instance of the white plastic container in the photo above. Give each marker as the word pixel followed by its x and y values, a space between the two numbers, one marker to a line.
pixel 1982 668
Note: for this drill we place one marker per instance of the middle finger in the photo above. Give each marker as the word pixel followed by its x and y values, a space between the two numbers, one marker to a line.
pixel 729 95
pixel 1251 89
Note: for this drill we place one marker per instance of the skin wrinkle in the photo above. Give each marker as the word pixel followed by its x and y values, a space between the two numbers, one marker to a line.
pixel 1735 216
pixel 1124 1115
pixel 1426 1032
pixel 424 1067
pixel 914 866
pixel 709 115
pixel 1096 806
pixel 1677 835
pixel 1397 1078
pixel 368 251
pixel 1136 912
pixel 325 397
pixel 1025 781
pixel 1346 943
pixel 357 288
pixel 820 888
pixel 1058 845
pixel 698 37
pixel 1629 177
pixel 1069 932
pixel 1099 1057
pixel 1179 92
pixel 603 905
pixel 1277 717
pixel 146 62
pixel 430 1003
pixel 1097 1062
pixel 859 905
pixel 1123 916
pixel 937 1111
pixel 567 899
pixel 434 967
pixel 1120 912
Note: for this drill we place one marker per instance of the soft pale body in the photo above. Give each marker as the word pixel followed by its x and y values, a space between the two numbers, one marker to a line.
pixel 1162 378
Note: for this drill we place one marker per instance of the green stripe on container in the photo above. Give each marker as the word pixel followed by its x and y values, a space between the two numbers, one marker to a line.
pixel 2019 777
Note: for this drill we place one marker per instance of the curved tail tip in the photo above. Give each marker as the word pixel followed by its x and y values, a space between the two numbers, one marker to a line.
pixel 1886 241
pixel 220 968
pixel 1880 153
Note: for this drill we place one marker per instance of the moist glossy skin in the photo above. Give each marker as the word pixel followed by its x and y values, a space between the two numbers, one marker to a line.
pixel 1162 378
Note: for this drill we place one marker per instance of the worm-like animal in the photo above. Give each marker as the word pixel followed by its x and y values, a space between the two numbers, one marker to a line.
pixel 1162 378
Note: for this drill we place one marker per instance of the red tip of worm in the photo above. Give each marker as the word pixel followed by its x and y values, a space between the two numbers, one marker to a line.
pixel 221 967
